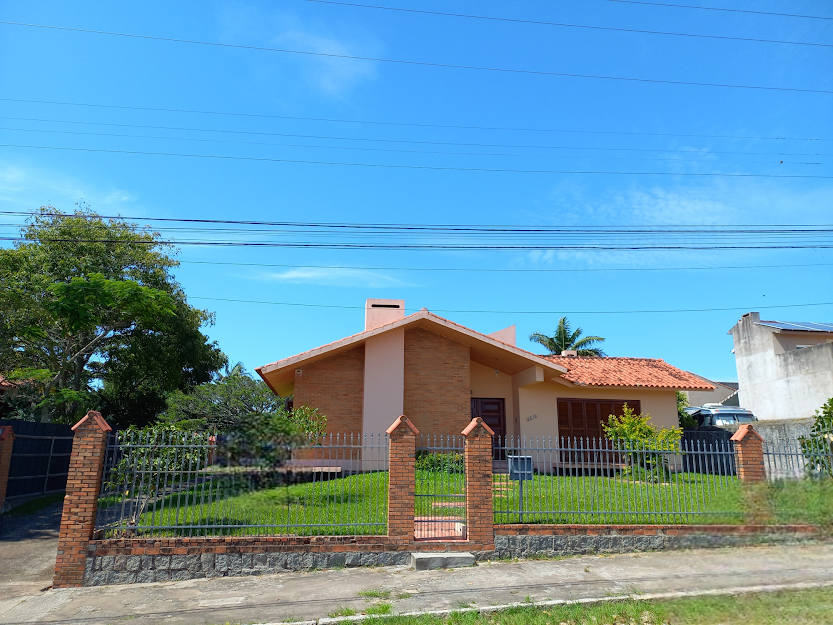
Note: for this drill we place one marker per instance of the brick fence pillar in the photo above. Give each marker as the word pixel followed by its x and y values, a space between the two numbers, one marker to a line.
pixel 750 454
pixel 86 464
pixel 6 443
pixel 402 479
pixel 480 523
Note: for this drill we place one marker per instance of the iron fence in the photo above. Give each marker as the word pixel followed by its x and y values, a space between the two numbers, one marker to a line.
pixel 195 484
pixel 440 488
pixel 547 480
pixel 799 458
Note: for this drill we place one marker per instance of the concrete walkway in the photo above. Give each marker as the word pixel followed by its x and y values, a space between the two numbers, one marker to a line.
pixel 315 595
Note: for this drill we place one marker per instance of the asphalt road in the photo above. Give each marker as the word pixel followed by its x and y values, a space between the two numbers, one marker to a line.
pixel 27 551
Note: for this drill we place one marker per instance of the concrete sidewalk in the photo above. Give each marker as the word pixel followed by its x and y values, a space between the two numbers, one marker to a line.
pixel 315 595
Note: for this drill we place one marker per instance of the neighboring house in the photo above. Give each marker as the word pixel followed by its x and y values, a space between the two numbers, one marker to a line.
pixel 6 387
pixel 785 369
pixel 723 392
pixel 441 374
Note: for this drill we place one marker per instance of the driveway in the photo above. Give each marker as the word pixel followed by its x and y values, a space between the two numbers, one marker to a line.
pixel 28 545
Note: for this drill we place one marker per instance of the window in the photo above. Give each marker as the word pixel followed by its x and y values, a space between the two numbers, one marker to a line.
pixel 583 418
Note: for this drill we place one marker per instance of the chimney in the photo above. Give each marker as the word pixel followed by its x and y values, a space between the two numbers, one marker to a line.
pixel 569 352
pixel 380 312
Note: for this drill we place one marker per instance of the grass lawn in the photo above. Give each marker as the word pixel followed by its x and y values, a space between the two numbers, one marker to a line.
pixel 804 607
pixel 357 504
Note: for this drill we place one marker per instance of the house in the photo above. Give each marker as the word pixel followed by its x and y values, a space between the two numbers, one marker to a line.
pixel 441 374
pixel 725 393
pixel 785 368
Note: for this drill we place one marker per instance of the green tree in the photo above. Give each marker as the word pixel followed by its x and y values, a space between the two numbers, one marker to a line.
pixel 90 316
pixel 818 446
pixel 222 404
pixel 564 339
pixel 685 419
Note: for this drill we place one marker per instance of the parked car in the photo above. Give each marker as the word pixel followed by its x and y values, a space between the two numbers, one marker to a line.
pixel 718 414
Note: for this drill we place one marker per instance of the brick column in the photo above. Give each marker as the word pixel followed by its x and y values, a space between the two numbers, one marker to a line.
pixel 749 447
pixel 6 443
pixel 402 479
pixel 480 525
pixel 86 465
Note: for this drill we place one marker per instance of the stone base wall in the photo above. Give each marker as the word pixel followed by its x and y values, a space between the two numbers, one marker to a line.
pixel 129 561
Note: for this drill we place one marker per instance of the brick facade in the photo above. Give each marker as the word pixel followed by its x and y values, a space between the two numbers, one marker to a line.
pixel 335 386
pixel 749 447
pixel 86 465
pixel 6 443
pixel 437 382
pixel 402 480
pixel 480 525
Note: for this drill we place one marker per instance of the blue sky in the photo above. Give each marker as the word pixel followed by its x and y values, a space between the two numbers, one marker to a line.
pixel 583 124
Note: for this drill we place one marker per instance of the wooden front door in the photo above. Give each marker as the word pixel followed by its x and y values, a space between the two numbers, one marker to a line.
pixel 493 413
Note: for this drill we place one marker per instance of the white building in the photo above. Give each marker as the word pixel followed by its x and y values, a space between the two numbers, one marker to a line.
pixel 785 369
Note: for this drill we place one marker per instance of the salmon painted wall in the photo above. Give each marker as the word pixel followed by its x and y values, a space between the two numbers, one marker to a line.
pixel 485 384
pixel 538 405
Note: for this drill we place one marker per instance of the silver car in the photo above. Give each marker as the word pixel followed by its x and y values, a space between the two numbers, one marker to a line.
pixel 717 414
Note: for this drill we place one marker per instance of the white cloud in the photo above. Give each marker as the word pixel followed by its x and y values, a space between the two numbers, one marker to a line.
pixel 336 277
pixel 28 188
pixel 334 77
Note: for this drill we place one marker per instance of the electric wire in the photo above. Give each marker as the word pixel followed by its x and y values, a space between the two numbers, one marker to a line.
pixel 567 24
pixel 432 64
pixel 701 8
pixel 505 270
pixel 405 141
pixel 526 312
pixel 409 124
pixel 416 167
pixel 404 151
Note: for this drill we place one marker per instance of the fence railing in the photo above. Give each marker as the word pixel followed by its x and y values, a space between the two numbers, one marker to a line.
pixel 548 480
pixel 186 484
pixel 440 488
pixel 798 458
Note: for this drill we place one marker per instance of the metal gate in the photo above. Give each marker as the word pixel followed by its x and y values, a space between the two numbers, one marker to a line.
pixel 440 501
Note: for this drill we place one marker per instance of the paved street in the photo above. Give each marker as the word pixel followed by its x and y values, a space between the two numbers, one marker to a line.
pixel 314 595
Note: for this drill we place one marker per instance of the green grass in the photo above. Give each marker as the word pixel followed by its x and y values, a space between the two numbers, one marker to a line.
pixel 374 594
pixel 35 505
pixel 358 504
pixel 343 612
pixel 805 607
pixel 379 608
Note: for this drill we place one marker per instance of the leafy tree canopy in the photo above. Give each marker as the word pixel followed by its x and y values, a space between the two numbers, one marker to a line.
pixel 224 403
pixel 91 317
pixel 565 338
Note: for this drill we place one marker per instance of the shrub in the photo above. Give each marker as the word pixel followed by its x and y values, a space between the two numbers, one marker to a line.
pixel 643 444
pixel 818 447
pixel 449 462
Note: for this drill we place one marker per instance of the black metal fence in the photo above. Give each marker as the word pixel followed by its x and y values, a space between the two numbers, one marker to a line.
pixel 40 458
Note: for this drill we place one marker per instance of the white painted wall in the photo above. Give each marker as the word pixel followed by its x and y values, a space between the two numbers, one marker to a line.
pixel 777 380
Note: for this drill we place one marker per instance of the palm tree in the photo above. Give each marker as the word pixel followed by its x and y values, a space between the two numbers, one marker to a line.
pixel 564 339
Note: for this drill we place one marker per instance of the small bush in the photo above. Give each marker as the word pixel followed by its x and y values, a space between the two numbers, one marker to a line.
pixel 449 462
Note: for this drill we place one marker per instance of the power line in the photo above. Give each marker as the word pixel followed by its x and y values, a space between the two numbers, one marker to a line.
pixel 409 124
pixel 404 151
pixel 416 167
pixel 405 141
pixel 603 229
pixel 524 312
pixel 566 24
pixel 433 247
pixel 480 68
pixel 688 6
pixel 490 270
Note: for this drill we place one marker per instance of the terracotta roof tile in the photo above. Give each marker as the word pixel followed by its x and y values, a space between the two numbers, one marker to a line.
pixel 632 372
